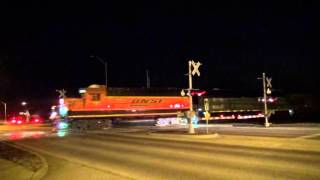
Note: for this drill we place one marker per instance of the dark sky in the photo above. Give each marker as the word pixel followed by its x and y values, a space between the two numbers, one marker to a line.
pixel 47 46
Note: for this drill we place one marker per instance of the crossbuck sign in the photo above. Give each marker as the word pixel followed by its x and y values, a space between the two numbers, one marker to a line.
pixel 269 82
pixel 195 66
pixel 62 93
pixel 269 86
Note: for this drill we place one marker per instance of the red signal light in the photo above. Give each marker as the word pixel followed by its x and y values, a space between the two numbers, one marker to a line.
pixel 198 93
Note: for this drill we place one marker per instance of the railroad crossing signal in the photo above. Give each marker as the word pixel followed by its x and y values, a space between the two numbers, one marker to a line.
pixel 62 93
pixel 268 91
pixel 266 81
pixel 182 93
pixel 195 66
pixel 269 85
pixel 63 110
pixel 269 82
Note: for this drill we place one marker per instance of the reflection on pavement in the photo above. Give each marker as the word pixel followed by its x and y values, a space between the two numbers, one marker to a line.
pixel 62 133
pixel 19 135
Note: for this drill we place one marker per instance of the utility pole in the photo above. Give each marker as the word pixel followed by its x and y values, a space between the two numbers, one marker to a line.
pixel 148 79
pixel 105 63
pixel 106 72
pixel 5 110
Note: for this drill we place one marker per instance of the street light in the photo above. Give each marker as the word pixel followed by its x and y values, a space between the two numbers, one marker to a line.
pixel 5 110
pixel 105 63
pixel 23 103
pixel 27 114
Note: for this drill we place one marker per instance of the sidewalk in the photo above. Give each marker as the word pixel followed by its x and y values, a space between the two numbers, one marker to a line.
pixel 18 163
pixel 10 170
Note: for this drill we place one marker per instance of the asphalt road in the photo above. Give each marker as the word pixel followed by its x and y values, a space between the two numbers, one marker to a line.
pixel 277 131
pixel 137 155
pixel 169 153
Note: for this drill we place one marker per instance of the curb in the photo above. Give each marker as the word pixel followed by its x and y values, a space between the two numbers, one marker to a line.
pixel 192 136
pixel 43 170
pixel 39 174
pixel 164 135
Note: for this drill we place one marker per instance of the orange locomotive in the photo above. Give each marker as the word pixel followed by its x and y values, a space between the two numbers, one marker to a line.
pixel 95 103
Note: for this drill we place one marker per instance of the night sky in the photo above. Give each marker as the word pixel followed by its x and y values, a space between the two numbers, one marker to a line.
pixel 47 46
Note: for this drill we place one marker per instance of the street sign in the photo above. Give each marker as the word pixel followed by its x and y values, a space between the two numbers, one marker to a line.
pixel 195 66
pixel 207 115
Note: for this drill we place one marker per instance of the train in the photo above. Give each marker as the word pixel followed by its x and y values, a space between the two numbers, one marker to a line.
pixel 99 105
pixel 96 105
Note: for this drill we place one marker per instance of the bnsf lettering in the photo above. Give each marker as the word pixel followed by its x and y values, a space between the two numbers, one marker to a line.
pixel 155 101
pixel 145 101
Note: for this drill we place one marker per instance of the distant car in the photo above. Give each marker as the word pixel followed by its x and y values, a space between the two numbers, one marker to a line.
pixel 17 119
pixel 36 119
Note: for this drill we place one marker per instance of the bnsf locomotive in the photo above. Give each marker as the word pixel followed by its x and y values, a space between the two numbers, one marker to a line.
pixel 96 104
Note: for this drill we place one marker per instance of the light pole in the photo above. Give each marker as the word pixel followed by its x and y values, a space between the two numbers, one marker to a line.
pixel 105 63
pixel 5 110
pixel 27 114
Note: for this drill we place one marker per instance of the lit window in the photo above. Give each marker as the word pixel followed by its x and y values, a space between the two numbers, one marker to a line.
pixel 95 97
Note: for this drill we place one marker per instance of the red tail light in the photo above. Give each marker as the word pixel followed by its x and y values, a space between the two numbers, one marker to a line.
pixel 13 121
pixel 19 122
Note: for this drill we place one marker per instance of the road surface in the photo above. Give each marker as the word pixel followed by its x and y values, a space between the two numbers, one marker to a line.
pixel 166 153
pixel 132 155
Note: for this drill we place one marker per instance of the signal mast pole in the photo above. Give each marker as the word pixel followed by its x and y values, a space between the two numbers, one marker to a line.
pixel 265 100
pixel 191 128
